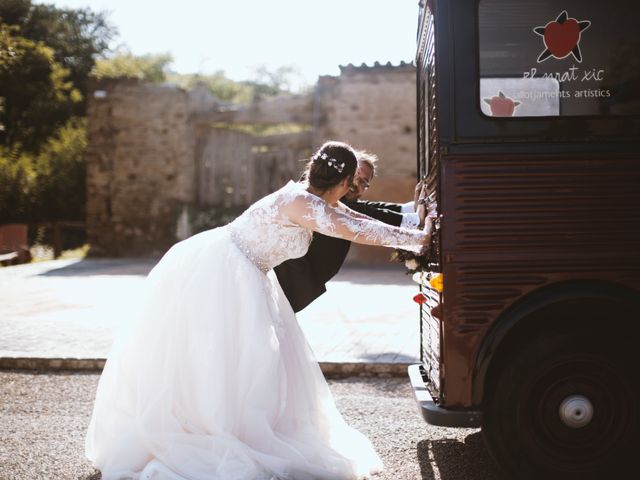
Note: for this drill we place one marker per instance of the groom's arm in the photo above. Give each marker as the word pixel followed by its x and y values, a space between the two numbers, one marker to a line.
pixel 401 215
pixel 394 207
pixel 373 210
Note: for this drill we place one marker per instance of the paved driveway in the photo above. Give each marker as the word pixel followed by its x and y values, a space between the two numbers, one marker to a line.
pixel 72 308
pixel 43 420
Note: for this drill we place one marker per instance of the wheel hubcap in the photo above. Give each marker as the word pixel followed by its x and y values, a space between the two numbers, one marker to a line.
pixel 576 411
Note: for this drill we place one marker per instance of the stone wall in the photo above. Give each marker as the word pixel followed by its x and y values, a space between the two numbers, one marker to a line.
pixel 156 153
pixel 374 108
pixel 140 167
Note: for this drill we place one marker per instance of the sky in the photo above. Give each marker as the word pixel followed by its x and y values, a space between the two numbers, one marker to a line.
pixel 236 36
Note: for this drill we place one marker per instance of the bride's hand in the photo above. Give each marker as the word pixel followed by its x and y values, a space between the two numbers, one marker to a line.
pixel 417 193
pixel 430 217
pixel 428 226
pixel 426 240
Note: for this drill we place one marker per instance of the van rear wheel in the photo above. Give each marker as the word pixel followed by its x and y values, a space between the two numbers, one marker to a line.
pixel 564 407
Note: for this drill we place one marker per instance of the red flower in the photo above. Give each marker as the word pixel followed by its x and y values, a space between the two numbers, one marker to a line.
pixel 420 298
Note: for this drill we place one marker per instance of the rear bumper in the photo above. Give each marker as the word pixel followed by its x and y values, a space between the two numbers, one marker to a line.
pixel 433 413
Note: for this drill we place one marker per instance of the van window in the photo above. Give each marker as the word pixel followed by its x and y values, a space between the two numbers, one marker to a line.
pixel 550 58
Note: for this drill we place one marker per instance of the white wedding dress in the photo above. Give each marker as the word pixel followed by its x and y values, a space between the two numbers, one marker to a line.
pixel 214 379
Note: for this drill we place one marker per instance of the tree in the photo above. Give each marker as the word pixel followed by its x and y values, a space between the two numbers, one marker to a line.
pixel 76 36
pixel 219 85
pixel 49 185
pixel 14 12
pixel 151 68
pixel 267 83
pixel 59 192
pixel 46 56
pixel 37 94
pixel 17 179
pixel 154 68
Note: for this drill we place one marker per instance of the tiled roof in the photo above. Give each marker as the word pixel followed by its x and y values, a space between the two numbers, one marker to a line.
pixel 363 67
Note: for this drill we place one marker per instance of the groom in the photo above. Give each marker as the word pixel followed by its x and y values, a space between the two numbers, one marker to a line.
pixel 303 279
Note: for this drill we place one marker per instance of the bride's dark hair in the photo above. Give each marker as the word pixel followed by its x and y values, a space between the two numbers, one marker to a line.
pixel 332 163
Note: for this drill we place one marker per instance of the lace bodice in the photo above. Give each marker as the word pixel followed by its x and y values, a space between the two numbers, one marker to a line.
pixel 279 227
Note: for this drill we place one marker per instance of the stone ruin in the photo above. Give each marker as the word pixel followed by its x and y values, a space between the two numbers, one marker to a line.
pixel 163 163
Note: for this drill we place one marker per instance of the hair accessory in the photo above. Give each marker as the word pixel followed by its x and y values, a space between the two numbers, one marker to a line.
pixel 332 162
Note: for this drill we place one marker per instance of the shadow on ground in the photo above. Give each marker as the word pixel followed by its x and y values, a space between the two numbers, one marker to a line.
pixel 104 266
pixel 357 274
pixel 455 460
pixel 388 357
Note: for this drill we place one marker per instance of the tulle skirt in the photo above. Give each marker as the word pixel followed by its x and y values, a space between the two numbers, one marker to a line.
pixel 214 379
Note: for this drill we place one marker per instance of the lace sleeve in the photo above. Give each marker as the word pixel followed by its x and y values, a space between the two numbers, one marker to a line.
pixel 342 208
pixel 409 220
pixel 310 211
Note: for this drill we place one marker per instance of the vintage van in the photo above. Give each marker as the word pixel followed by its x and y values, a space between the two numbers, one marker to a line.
pixel 529 140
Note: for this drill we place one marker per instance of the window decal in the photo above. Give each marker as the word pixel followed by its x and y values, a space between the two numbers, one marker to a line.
pixel 561 37
pixel 550 58
pixel 501 105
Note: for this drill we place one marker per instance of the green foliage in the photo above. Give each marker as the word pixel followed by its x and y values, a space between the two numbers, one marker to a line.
pixel 76 36
pixel 48 185
pixel 154 68
pixel 46 55
pixel 17 181
pixel 37 95
pixel 218 84
pixel 267 83
pixel 61 171
pixel 14 12
pixel 151 68
pixel 265 130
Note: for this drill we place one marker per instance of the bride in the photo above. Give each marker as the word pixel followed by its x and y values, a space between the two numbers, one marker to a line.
pixel 214 379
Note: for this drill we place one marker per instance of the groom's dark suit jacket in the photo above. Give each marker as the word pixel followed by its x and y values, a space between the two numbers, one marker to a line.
pixel 303 279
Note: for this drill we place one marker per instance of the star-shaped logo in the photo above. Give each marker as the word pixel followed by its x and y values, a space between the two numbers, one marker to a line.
pixel 562 37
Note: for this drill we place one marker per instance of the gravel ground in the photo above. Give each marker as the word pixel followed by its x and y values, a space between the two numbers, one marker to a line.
pixel 43 418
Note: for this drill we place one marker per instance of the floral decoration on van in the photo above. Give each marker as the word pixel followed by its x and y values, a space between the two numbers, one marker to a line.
pixel 561 37
pixel 414 262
